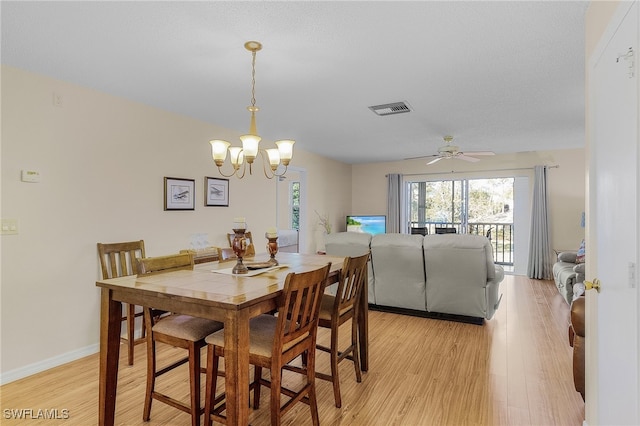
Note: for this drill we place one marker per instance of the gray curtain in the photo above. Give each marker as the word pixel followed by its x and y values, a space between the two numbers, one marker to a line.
pixel 394 203
pixel 539 250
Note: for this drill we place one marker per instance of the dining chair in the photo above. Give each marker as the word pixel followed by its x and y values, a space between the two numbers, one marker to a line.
pixel 423 230
pixel 182 331
pixel 251 248
pixel 118 260
pixel 442 230
pixel 338 309
pixel 226 253
pixel 274 341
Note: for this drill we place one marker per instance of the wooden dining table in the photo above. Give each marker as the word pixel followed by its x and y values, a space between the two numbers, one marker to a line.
pixel 208 291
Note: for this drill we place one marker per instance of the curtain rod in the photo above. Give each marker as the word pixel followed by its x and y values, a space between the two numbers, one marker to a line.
pixel 493 170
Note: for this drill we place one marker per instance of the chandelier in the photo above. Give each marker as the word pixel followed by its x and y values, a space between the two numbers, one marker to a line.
pixel 240 156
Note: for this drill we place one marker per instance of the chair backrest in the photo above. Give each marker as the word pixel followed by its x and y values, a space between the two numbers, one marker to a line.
pixel 398 269
pixel 160 264
pixel 423 230
pixel 225 253
pixel 352 278
pixel 120 259
pixel 446 230
pixel 251 249
pixel 299 307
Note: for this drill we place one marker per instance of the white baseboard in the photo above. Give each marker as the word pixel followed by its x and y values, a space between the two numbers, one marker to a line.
pixel 28 370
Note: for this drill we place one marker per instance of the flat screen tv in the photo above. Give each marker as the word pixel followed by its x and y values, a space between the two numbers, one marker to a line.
pixel 373 224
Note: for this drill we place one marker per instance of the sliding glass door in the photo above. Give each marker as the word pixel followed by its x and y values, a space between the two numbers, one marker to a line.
pixel 465 206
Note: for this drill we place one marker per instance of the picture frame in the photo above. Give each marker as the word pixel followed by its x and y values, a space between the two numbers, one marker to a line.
pixel 216 192
pixel 179 194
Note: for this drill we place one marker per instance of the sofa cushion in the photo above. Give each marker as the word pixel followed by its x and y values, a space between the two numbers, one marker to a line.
pixel 347 243
pixel 464 241
pixel 457 269
pixel 398 266
pixel 350 244
pixel 567 256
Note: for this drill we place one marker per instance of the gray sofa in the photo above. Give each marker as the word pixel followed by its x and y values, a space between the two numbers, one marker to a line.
pixel 445 274
pixel 567 273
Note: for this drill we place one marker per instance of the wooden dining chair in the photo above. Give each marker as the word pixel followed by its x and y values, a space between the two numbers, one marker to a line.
pixel 182 331
pixel 225 254
pixel 338 309
pixel 251 249
pixel 118 260
pixel 274 341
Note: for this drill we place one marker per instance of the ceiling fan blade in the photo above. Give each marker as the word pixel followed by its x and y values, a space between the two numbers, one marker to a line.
pixel 421 156
pixel 435 160
pixel 478 153
pixel 466 158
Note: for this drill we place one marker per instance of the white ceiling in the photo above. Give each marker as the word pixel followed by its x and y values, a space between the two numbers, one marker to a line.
pixel 501 76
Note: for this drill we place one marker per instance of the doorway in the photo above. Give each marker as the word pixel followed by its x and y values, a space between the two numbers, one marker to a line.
pixel 291 214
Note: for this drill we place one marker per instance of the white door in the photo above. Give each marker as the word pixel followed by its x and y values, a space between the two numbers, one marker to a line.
pixel 612 237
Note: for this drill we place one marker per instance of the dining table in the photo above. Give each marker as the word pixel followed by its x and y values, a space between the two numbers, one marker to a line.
pixel 210 291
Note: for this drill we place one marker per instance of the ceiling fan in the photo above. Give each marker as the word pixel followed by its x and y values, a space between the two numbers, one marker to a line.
pixel 448 151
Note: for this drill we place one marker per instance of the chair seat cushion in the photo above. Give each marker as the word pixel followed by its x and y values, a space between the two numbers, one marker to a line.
pixel 186 327
pixel 326 307
pixel 262 330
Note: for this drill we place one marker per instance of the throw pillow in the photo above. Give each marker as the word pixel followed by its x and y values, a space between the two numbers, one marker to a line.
pixel 580 257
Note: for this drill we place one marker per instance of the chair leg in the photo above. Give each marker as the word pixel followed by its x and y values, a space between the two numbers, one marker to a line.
pixel 151 376
pixel 194 382
pixel 211 384
pixel 355 352
pixel 131 328
pixel 257 376
pixel 276 383
pixel 311 379
pixel 334 365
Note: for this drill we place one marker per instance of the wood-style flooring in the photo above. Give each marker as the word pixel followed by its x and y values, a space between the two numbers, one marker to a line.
pixel 513 370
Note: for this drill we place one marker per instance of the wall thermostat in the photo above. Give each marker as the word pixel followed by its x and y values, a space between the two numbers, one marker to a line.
pixel 30 176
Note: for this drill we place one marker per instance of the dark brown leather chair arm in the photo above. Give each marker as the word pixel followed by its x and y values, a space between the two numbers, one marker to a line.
pixel 577 325
pixel 577 316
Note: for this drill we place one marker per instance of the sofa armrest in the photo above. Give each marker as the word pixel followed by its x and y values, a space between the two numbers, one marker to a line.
pixel 567 256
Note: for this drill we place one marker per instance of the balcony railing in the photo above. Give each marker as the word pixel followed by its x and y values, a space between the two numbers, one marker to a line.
pixel 500 235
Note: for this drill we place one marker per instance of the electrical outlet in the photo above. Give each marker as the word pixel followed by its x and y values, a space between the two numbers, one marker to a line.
pixel 9 226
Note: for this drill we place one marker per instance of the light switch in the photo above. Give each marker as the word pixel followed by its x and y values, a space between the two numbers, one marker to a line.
pixel 9 226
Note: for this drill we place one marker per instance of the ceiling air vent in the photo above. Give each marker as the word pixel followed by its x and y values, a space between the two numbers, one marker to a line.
pixel 388 109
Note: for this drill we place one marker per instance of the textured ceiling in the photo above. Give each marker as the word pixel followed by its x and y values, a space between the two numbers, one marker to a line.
pixel 501 76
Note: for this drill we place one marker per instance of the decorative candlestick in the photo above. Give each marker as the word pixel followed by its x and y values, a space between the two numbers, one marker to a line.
pixel 272 246
pixel 239 248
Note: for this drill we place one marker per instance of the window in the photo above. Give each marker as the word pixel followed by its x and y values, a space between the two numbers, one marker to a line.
pixel 295 205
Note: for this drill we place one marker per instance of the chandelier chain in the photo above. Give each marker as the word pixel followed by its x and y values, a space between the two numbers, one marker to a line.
pixel 253 79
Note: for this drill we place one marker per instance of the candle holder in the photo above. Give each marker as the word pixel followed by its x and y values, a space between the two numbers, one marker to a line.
pixel 239 248
pixel 272 248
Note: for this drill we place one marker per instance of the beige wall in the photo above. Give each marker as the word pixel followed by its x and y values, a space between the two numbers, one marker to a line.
pixel 102 160
pixel 566 184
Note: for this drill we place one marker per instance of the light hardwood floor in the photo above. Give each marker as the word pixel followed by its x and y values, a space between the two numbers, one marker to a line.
pixel 513 370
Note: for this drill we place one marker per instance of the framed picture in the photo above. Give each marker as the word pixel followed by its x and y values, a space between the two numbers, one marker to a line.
pixel 216 192
pixel 179 194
